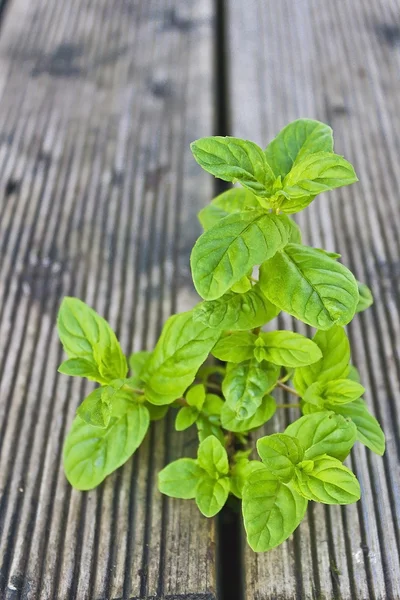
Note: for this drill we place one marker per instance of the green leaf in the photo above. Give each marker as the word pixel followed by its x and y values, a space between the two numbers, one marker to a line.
pixel 231 201
pixel 271 510
pixel 245 385
pixel 213 405
pixel 324 433
pixel 334 363
pixel 369 431
pixel 235 160
pixel 182 347
pixel 185 418
pixel 366 299
pixel 339 391
pixel 212 457
pixel 264 413
pixel 241 471
pixel 328 482
pixel 236 311
pixel 206 427
pixel 95 410
pixel 240 287
pixel 91 453
pixel 353 374
pixel 236 347
pixel 286 349
pixel 295 232
pixel 180 478
pixel 280 453
pixel 196 396
pixel 296 141
pixel 138 362
pixel 313 174
pixel 310 286
pixel 87 336
pixel 211 495
pixel 80 367
pixel 156 412
pixel 226 252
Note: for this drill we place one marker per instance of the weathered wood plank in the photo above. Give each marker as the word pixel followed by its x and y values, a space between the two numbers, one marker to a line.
pixel 337 62
pixel 99 101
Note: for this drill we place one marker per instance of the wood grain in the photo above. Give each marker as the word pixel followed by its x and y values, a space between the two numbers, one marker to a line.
pixel 99 101
pixel 338 62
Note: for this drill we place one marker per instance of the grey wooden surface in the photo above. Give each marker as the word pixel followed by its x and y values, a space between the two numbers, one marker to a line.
pixel 337 61
pixel 99 101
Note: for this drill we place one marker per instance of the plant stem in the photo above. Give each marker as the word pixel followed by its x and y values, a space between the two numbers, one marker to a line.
pixel 213 386
pixel 288 389
pixel 288 405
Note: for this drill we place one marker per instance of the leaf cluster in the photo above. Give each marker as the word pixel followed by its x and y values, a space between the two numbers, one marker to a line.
pixel 248 266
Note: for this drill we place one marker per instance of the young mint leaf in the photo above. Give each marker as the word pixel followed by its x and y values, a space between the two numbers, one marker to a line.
pixel 138 362
pixel 95 410
pixel 245 385
pixel 280 453
pixel 236 347
pixel 240 287
pixel 235 160
pixel 334 363
pixel 196 396
pixel 87 336
pixel 338 391
pixel 228 202
pixel 286 349
pixel 207 426
pixel 366 299
pixel 240 472
pixel 313 174
pixel 91 453
pixel 226 252
pixel 180 478
pixel 264 413
pixel 328 482
pixel 369 431
pixel 185 418
pixel 212 457
pixel 296 141
pixel 182 347
pixel 236 311
pixel 324 433
pixel 212 494
pixel 271 510
pixel 80 367
pixel 213 405
pixel 310 286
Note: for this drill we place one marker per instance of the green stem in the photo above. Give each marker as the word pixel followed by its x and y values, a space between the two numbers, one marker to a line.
pixel 294 405
pixel 288 389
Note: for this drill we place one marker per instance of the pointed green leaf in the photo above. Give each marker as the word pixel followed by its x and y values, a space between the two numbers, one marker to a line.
pixel 211 495
pixel 280 453
pixel 338 391
pixel 264 413
pixel 328 482
pixel 95 410
pixel 213 405
pixel 240 472
pixel 236 347
pixel 87 336
pixel 245 385
pixel 91 453
pixel 324 433
pixel 235 160
pixel 206 427
pixel 180 478
pixel 369 432
pixel 287 349
pixel 185 418
pixel 366 299
pixel 226 252
pixel 271 510
pixel 334 363
pixel 231 201
pixel 236 311
pixel 182 347
pixel 138 362
pixel 212 457
pixel 296 141
pixel 310 286
pixel 196 396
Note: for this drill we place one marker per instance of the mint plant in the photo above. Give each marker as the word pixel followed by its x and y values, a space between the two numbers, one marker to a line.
pixel 248 266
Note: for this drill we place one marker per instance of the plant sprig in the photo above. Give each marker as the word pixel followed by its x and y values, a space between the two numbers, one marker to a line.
pixel 248 266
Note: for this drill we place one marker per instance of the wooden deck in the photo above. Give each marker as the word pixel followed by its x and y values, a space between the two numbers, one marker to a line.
pixel 99 100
